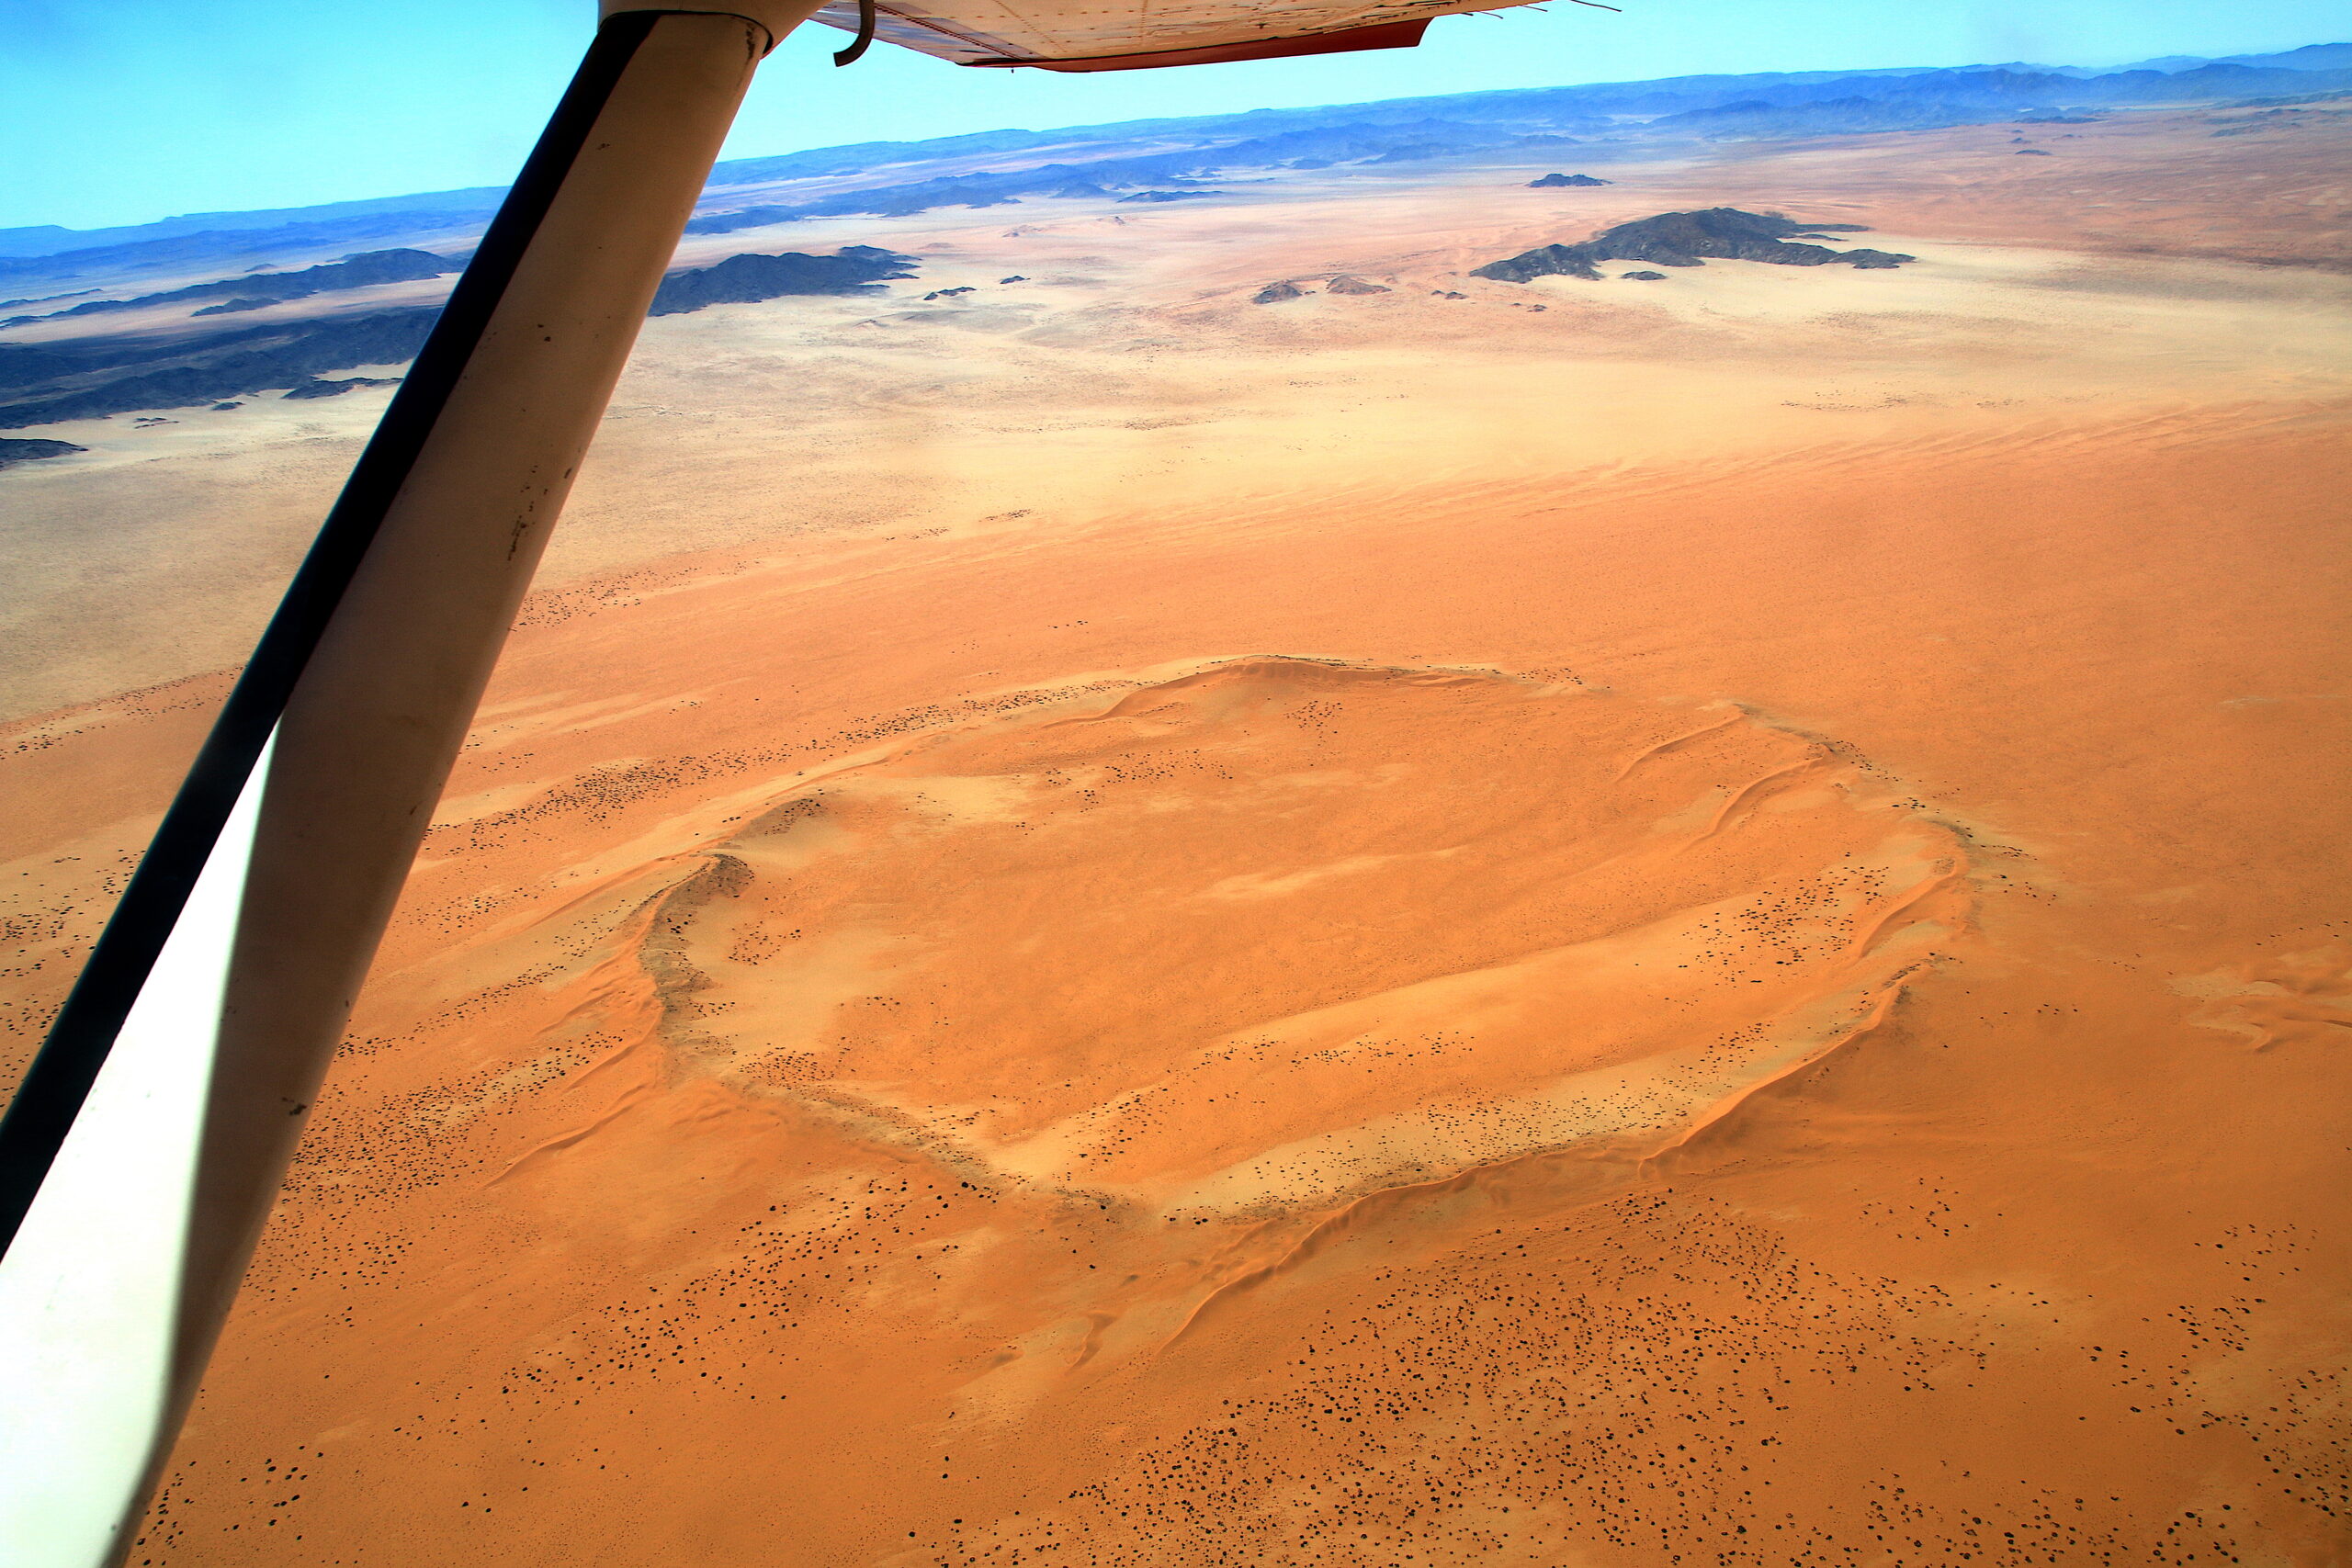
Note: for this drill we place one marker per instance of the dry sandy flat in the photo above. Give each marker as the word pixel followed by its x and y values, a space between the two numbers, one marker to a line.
pixel 1124 358
pixel 1097 924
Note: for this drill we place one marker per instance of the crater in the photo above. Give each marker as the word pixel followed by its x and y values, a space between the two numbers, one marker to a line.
pixel 1281 931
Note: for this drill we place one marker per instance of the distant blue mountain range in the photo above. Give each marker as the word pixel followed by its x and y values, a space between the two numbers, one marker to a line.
pixel 258 259
pixel 1778 103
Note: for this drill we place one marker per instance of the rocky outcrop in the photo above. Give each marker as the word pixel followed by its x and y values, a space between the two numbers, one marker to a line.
pixel 317 388
pixel 747 280
pixel 1690 239
pixel 1642 277
pixel 89 378
pixel 17 451
pixel 1346 284
pixel 1546 261
pixel 254 291
pixel 1554 182
pixel 1275 293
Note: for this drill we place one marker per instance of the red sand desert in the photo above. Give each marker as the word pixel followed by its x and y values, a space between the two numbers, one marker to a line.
pixel 1091 923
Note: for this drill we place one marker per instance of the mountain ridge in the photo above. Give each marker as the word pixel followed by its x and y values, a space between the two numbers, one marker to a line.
pixel 49 249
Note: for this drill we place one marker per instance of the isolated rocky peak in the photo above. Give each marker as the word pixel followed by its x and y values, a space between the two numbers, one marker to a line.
pixel 1690 239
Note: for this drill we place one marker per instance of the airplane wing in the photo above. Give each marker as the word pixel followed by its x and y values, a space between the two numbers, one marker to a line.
pixel 1130 35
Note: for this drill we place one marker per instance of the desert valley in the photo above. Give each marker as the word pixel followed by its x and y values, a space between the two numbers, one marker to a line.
pixel 1189 876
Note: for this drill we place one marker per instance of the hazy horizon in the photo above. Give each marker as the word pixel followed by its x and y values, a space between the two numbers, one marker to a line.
pixel 147 114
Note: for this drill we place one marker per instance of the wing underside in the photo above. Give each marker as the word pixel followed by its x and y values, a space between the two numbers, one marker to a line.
pixel 1124 35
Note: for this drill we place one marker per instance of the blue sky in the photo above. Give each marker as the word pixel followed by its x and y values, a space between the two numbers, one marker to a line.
pixel 123 112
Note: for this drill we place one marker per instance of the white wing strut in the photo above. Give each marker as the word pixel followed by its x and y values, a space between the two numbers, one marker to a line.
pixel 89 1290
pixel 143 1153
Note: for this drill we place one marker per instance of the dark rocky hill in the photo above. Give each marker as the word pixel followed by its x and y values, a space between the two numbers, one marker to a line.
pixel 747 280
pixel 1689 239
pixel 254 290
pixel 91 377
pixel 94 376
pixel 18 451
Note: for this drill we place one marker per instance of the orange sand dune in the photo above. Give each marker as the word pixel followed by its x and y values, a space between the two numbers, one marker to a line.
pixel 1695 929
pixel 1238 867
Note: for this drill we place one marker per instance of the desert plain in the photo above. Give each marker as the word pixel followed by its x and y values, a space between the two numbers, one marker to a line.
pixel 1600 924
